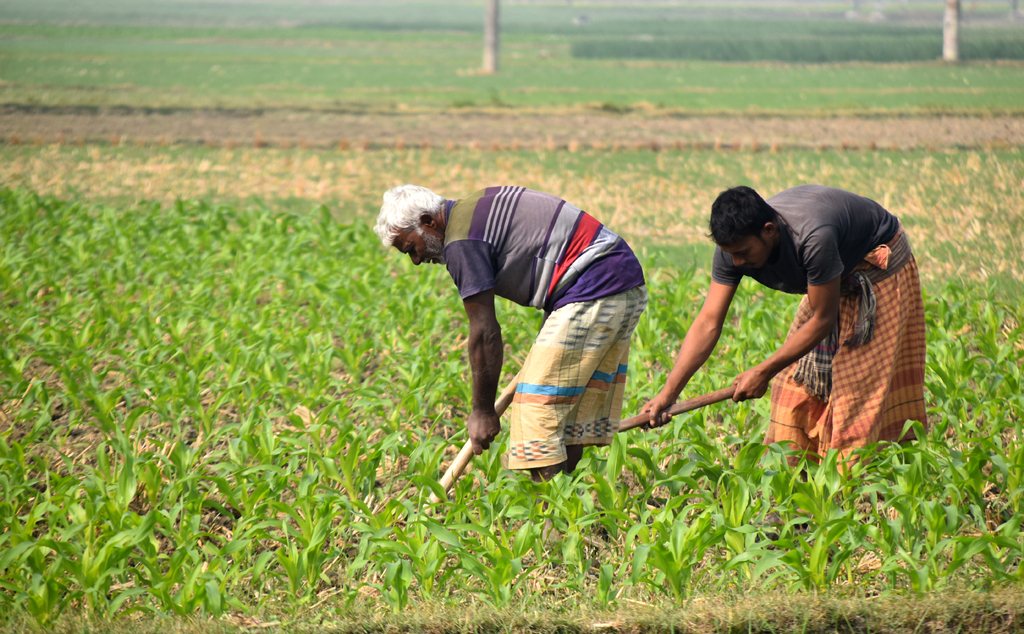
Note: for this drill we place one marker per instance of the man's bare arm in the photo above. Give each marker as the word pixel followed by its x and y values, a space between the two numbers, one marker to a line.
pixel 698 344
pixel 486 351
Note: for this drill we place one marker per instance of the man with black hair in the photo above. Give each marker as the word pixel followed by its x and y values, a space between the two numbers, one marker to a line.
pixel 851 370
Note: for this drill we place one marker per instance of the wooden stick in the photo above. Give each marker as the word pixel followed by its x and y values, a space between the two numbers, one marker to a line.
pixel 462 460
pixel 466 454
pixel 680 408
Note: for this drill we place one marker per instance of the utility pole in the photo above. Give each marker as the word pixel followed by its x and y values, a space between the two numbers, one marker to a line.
pixel 854 12
pixel 877 15
pixel 491 38
pixel 951 32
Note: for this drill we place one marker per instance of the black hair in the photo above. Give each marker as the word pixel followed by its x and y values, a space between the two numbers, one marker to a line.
pixel 738 212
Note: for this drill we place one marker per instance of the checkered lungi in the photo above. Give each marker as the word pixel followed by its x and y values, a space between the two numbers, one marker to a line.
pixel 572 382
pixel 876 387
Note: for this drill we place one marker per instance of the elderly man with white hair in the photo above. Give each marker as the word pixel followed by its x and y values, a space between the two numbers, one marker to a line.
pixel 536 250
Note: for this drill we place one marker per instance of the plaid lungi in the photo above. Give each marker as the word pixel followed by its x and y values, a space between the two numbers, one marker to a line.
pixel 876 387
pixel 572 382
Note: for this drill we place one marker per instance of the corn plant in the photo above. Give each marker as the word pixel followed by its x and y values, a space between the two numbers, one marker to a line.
pixel 213 409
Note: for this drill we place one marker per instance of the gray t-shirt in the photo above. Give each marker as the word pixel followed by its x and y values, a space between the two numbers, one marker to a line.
pixel 825 232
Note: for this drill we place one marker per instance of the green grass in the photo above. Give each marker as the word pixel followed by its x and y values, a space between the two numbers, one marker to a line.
pixel 421 56
pixel 152 460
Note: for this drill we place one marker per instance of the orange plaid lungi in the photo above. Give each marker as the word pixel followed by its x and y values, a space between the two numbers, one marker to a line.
pixel 876 387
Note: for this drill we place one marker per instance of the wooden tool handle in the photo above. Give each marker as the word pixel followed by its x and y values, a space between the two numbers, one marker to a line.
pixel 462 460
pixel 466 454
pixel 679 408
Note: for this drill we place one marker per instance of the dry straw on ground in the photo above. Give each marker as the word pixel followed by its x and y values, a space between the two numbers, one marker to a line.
pixel 774 613
pixel 954 205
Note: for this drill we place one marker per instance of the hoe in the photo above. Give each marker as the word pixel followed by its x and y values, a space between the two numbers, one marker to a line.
pixel 466 454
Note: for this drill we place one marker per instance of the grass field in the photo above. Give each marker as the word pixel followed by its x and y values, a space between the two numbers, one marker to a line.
pixel 517 18
pixel 221 401
pixel 155 355
pixel 401 57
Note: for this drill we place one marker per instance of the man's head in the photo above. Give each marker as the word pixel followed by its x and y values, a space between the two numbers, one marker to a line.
pixel 412 220
pixel 744 226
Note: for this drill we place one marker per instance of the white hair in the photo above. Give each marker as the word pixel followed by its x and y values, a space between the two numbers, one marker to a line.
pixel 402 209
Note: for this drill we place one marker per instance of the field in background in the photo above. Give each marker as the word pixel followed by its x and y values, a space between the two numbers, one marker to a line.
pixel 638 17
pixel 963 209
pixel 803 42
pixel 410 56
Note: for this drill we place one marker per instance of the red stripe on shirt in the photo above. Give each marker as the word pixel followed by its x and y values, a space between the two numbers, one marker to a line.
pixel 585 232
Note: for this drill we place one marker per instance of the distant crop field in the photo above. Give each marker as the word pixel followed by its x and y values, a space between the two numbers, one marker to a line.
pixel 402 57
pixel 802 39
pixel 866 46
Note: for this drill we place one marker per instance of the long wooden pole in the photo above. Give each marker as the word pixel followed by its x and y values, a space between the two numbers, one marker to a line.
pixel 491 36
pixel 951 32
pixel 462 460
pixel 681 408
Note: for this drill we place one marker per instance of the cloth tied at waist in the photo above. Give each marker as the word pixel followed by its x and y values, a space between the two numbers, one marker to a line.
pixel 814 370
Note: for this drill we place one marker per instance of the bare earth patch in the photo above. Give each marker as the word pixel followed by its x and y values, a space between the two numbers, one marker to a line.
pixel 502 128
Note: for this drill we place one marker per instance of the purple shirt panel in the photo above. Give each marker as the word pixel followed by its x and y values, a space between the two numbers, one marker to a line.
pixel 469 263
pixel 616 272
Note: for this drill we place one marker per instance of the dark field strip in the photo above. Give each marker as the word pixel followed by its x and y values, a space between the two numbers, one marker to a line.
pixel 817 49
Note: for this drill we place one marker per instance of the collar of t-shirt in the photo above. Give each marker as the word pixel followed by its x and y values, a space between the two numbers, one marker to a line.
pixel 785 235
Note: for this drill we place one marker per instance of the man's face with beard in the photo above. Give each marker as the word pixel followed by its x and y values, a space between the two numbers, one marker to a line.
pixel 425 244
